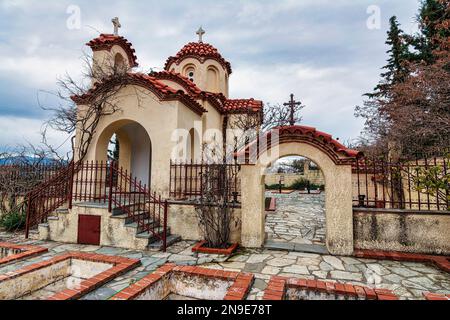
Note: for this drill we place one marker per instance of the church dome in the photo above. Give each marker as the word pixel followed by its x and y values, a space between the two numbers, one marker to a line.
pixel 200 51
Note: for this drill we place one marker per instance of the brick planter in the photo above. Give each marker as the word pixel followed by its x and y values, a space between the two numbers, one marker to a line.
pixel 441 262
pixel 436 297
pixel 19 252
pixel 193 282
pixel 200 248
pixel 33 278
pixel 281 288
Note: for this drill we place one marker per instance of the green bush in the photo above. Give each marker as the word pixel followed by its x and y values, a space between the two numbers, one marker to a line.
pixel 300 184
pixel 13 221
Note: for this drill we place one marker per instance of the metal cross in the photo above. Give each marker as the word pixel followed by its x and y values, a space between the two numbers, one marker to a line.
pixel 200 34
pixel 292 104
pixel 117 25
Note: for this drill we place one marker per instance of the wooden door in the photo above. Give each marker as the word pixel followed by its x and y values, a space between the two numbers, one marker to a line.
pixel 89 230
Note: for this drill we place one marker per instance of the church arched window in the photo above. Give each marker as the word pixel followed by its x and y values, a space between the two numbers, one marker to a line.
pixel 213 79
pixel 119 62
pixel 189 72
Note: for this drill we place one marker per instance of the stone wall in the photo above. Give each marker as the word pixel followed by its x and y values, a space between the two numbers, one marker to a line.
pixel 403 231
pixel 183 221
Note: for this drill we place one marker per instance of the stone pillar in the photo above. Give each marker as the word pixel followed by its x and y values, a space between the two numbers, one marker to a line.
pixel 339 210
pixel 253 207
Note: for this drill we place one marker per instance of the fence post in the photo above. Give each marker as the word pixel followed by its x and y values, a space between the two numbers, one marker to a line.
pixel 27 222
pixel 72 173
pixel 110 181
pixel 166 207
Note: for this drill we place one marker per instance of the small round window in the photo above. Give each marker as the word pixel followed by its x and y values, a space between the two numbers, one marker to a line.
pixel 190 73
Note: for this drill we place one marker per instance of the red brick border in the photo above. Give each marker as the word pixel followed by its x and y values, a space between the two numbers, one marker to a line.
pixel 27 252
pixel 276 290
pixel 120 265
pixel 436 297
pixel 199 248
pixel 442 262
pixel 239 290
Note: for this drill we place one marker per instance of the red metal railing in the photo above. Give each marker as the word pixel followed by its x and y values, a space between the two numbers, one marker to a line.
pixel 101 183
pixel 380 183
pixel 186 180
pixel 47 197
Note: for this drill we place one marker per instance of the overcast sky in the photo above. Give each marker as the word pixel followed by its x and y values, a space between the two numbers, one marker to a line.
pixel 322 51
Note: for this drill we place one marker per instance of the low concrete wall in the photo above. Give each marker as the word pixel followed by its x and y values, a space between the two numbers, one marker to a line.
pixel 315 177
pixel 403 231
pixel 183 221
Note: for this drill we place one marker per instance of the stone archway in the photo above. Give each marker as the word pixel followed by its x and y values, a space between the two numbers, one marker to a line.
pixel 135 154
pixel 333 158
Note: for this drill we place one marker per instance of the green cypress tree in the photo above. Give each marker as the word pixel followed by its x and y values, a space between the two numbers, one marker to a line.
pixel 396 69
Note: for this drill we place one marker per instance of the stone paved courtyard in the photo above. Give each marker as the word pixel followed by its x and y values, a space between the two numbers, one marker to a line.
pixel 407 280
pixel 299 218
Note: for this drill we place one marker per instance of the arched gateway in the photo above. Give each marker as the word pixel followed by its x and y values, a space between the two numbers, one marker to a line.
pixel 334 159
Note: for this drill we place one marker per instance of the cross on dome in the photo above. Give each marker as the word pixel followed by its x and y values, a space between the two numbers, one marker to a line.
pixel 200 34
pixel 117 25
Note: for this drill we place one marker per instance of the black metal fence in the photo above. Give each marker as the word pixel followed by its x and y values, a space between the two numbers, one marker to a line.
pixel 418 184
pixel 186 180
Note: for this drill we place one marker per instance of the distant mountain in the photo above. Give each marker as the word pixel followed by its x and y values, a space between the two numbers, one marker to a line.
pixel 26 160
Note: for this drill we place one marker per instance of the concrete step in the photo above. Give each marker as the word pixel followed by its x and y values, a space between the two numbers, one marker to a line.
pixel 149 235
pixel 135 224
pixel 158 245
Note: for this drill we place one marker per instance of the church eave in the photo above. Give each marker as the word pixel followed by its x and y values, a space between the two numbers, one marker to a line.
pixel 162 91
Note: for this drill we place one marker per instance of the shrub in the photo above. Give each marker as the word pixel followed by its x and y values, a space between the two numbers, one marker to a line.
pixel 301 184
pixel 13 221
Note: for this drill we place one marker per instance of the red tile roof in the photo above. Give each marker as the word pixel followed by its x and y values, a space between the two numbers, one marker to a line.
pixel 242 105
pixel 107 41
pixel 200 51
pixel 163 91
pixel 190 86
pixel 337 152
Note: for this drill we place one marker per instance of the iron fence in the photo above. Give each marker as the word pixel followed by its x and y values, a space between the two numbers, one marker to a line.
pixel 414 184
pixel 187 179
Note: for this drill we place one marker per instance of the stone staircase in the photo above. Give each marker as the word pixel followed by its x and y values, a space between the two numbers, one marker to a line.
pixel 118 229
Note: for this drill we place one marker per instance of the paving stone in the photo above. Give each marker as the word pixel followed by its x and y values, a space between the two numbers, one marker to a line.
pixel 320 274
pixel 378 269
pixel 233 265
pixel 349 261
pixel 334 262
pixel 405 272
pixel 260 284
pixel 271 270
pixel 258 258
pixel 238 258
pixel 254 267
pixel 280 262
pixel 180 258
pixel 325 266
pixel 296 269
pixel 394 278
pixel 343 275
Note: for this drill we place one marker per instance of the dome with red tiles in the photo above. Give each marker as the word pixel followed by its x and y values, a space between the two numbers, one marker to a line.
pixel 200 51
pixel 107 41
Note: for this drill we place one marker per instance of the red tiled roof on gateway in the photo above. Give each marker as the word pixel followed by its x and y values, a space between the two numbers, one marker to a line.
pixel 238 105
pixel 106 41
pixel 199 50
